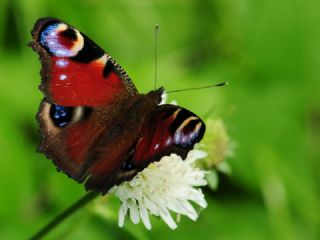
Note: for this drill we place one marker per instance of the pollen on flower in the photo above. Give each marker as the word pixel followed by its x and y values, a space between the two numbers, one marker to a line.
pixel 163 187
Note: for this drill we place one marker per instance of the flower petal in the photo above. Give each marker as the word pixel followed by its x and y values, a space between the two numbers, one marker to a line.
pixel 166 216
pixel 122 214
pixel 134 213
pixel 145 216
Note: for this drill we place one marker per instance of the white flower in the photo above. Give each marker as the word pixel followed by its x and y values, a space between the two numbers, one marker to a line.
pixel 164 186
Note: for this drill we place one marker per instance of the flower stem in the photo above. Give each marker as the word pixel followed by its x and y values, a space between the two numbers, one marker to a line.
pixel 65 214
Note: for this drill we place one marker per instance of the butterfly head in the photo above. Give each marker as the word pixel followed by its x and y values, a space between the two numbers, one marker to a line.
pixel 156 95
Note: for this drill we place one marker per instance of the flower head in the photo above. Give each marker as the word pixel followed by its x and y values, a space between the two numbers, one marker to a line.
pixel 219 147
pixel 164 186
pixel 216 142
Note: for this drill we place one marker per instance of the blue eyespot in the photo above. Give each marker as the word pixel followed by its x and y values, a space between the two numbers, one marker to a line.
pixel 49 38
pixel 60 115
pixel 49 31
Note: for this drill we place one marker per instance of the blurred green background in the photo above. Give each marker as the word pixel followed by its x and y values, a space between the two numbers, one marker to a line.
pixel 269 51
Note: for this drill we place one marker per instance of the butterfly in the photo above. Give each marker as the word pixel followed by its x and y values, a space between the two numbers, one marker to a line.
pixel 94 124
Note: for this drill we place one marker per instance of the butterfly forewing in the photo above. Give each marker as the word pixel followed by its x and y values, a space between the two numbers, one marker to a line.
pixel 75 70
pixel 169 129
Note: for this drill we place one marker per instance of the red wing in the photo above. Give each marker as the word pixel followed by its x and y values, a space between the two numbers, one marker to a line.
pixel 92 145
pixel 75 70
pixel 87 144
pixel 170 129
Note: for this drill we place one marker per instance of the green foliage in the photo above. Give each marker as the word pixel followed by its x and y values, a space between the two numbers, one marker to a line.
pixel 268 51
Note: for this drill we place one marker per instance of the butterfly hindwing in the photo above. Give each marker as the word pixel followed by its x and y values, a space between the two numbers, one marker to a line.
pixel 75 70
pixel 69 133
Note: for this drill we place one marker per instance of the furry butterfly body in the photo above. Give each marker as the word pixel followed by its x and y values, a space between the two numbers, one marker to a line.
pixel 94 124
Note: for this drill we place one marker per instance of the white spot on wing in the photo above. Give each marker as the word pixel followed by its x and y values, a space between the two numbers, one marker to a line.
pixel 63 77
pixel 63 52
pixel 168 141
pixel 62 63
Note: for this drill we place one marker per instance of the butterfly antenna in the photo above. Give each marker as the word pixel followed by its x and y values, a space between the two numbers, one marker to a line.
pixel 198 88
pixel 156 33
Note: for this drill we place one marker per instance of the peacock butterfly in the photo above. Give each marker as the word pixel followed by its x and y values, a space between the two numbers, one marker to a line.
pixel 94 124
